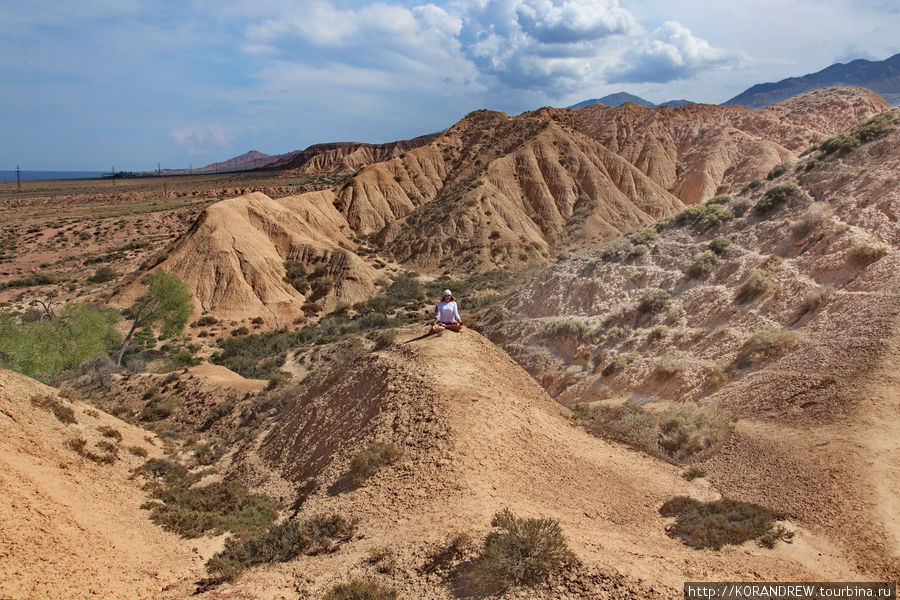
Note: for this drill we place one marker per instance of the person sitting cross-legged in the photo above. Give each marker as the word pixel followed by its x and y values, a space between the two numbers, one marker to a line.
pixel 446 315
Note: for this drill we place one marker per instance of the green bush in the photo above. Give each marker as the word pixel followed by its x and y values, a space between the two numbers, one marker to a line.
pixel 654 301
pixel 752 185
pixel 840 143
pixel 719 245
pixel 30 281
pixel 874 127
pixel 367 462
pixel 102 275
pixel 205 321
pixel 44 349
pixel 281 543
pixel 715 524
pixel 778 170
pixel 704 264
pixel 775 196
pixel 361 589
pixel 520 552
pixel 704 216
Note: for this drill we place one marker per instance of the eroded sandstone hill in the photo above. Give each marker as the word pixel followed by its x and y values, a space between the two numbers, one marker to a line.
pixel 781 303
pixel 496 191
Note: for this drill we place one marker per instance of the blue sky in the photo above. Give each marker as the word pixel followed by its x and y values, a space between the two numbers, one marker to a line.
pixel 90 84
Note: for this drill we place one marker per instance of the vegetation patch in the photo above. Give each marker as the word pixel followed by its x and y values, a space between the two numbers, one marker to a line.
pixel 369 460
pixel 29 281
pixel 361 589
pixel 107 456
pixel 680 434
pixel 778 170
pixel 721 522
pixel 654 301
pixel 775 196
pixel 281 543
pixel 719 245
pixel 757 283
pixel 811 219
pixel 704 263
pixel 192 511
pixel 519 552
pixel 703 216
pixel 765 344
pixel 816 297
pixel 868 130
pixel 44 348
pixel 60 411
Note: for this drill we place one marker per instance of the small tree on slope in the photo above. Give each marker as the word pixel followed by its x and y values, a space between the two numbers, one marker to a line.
pixel 167 303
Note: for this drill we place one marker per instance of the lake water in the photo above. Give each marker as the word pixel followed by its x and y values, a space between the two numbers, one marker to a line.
pixel 36 175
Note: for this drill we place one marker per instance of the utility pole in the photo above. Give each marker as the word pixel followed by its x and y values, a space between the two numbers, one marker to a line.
pixel 18 180
pixel 190 169
pixel 157 169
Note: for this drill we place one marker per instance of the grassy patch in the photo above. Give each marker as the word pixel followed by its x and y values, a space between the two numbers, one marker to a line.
pixel 519 552
pixel 725 521
pixel 719 245
pixel 29 281
pixel 281 543
pixel 813 217
pixel 680 434
pixel 368 461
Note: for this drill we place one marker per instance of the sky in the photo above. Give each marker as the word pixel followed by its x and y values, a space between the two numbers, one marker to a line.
pixel 97 84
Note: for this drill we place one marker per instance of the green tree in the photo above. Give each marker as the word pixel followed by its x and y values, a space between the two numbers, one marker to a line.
pixel 45 347
pixel 167 304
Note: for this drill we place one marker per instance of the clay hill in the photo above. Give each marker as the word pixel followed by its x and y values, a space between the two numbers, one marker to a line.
pixel 476 434
pixel 71 526
pixel 785 311
pixel 495 191
pixel 880 76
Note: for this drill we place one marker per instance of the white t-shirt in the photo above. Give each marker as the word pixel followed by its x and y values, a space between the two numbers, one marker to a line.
pixel 447 312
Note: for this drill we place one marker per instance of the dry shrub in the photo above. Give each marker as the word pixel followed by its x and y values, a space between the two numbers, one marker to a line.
pixel 110 432
pixel 669 365
pixel 520 551
pixel 63 413
pixel 681 434
pixel 815 214
pixel 375 456
pixel 657 333
pixel 361 589
pixel 692 473
pixel 816 297
pixel 79 445
pixel 764 344
pixel 654 301
pixel 866 252
pixel 138 451
pixel 715 524
pixel 281 543
pixel 383 559
pixel 385 338
pixel 720 374
pixel 704 264
pixel 691 432
pixel 757 283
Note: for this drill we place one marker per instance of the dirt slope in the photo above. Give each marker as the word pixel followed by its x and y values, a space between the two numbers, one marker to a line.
pixel 478 435
pixel 70 527
pixel 809 439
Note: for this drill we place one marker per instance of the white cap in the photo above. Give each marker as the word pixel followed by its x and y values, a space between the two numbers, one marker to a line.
pixel 448 293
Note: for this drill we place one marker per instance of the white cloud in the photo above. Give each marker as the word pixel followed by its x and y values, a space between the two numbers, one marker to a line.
pixel 552 46
pixel 201 140
pixel 669 53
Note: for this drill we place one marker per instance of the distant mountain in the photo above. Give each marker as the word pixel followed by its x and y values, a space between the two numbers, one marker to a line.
pixel 343 157
pixel 623 97
pixel 881 76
